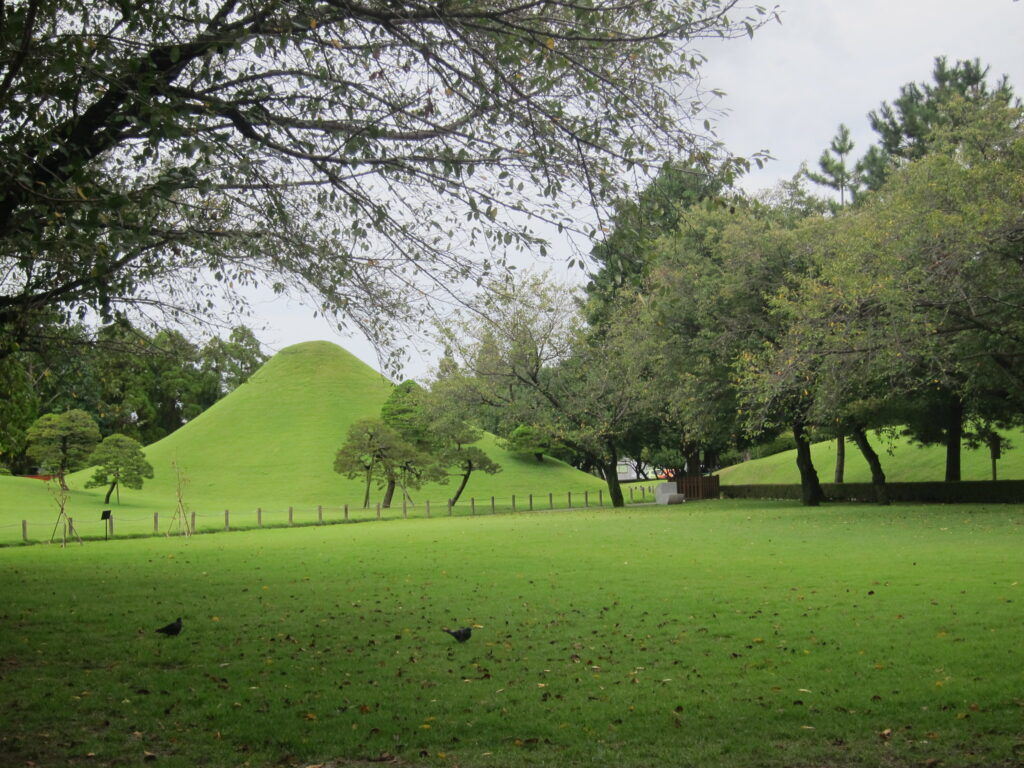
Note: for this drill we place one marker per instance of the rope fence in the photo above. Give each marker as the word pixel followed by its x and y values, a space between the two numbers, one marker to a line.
pixel 171 523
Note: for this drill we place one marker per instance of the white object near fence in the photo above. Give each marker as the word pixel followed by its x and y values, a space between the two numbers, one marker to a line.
pixel 668 493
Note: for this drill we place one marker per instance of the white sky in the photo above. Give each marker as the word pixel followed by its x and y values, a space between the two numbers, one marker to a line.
pixel 787 91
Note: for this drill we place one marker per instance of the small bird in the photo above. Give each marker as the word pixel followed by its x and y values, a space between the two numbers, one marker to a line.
pixel 462 635
pixel 171 629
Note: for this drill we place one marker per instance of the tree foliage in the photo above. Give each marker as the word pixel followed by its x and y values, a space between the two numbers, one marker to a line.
pixel 157 154
pixel 63 442
pixel 140 385
pixel 531 439
pixel 525 350
pixel 909 125
pixel 834 170
pixel 376 452
pixel 119 461
pixel 622 257
pixel 910 312
pixel 712 286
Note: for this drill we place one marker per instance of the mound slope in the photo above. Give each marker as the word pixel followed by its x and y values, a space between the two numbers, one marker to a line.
pixel 902 461
pixel 274 437
pixel 271 444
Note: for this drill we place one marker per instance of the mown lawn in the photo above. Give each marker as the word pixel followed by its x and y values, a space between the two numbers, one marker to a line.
pixel 712 634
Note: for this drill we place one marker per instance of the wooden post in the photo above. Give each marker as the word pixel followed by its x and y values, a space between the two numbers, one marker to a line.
pixel 71 527
pixel 259 516
pixel 320 513
pixel 193 522
pixel 531 502
pixel 291 519
pixel 600 497
pixel 110 522
pixel 643 493
pixel 427 503
pixel 472 505
pixel 586 498
pixel 405 506
pixel 570 499
pixel 631 493
pixel 24 530
pixel 346 513
pixel 450 505
pixel 378 510
pixel 227 520
pixel 156 522
pixel 492 505
pixel 551 500
pixel 513 502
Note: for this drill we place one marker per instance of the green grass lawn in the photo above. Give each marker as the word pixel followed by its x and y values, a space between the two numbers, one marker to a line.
pixel 712 634
pixel 902 461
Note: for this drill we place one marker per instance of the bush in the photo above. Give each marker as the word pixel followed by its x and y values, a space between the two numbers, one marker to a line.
pixel 759 451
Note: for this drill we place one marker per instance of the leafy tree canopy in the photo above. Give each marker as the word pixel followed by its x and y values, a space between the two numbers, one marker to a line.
pixel 525 350
pixel 119 462
pixel 834 171
pixel 622 257
pixel 907 127
pixel 154 154
pixel 63 442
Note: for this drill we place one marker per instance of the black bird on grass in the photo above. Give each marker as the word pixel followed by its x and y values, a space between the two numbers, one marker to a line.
pixel 171 629
pixel 462 635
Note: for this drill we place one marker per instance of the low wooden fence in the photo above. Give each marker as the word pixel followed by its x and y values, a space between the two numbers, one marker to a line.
pixel 170 523
pixel 699 487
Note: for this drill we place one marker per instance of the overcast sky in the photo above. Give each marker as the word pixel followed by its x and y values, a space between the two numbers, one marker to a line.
pixel 787 90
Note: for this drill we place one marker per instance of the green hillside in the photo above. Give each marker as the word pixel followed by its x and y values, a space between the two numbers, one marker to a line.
pixel 901 460
pixel 271 444
pixel 274 437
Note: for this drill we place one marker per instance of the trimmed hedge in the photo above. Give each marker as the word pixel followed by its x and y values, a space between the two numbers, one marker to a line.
pixel 980 491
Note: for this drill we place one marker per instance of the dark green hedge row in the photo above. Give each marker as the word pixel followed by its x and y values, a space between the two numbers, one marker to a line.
pixel 979 491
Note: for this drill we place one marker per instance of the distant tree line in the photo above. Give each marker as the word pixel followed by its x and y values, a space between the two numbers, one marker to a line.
pixel 715 321
pixel 126 381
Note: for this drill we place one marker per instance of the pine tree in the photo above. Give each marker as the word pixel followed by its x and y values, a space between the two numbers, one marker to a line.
pixel 835 173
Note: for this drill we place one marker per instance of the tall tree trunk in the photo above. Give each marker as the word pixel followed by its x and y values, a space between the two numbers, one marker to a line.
pixel 110 490
pixel 710 460
pixel 994 450
pixel 811 493
pixel 389 493
pixel 693 463
pixel 366 495
pixel 611 474
pixel 871 457
pixel 614 488
pixel 462 485
pixel 954 434
pixel 840 458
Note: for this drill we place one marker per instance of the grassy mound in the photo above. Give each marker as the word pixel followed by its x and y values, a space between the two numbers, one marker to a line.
pixel 270 444
pixel 902 461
